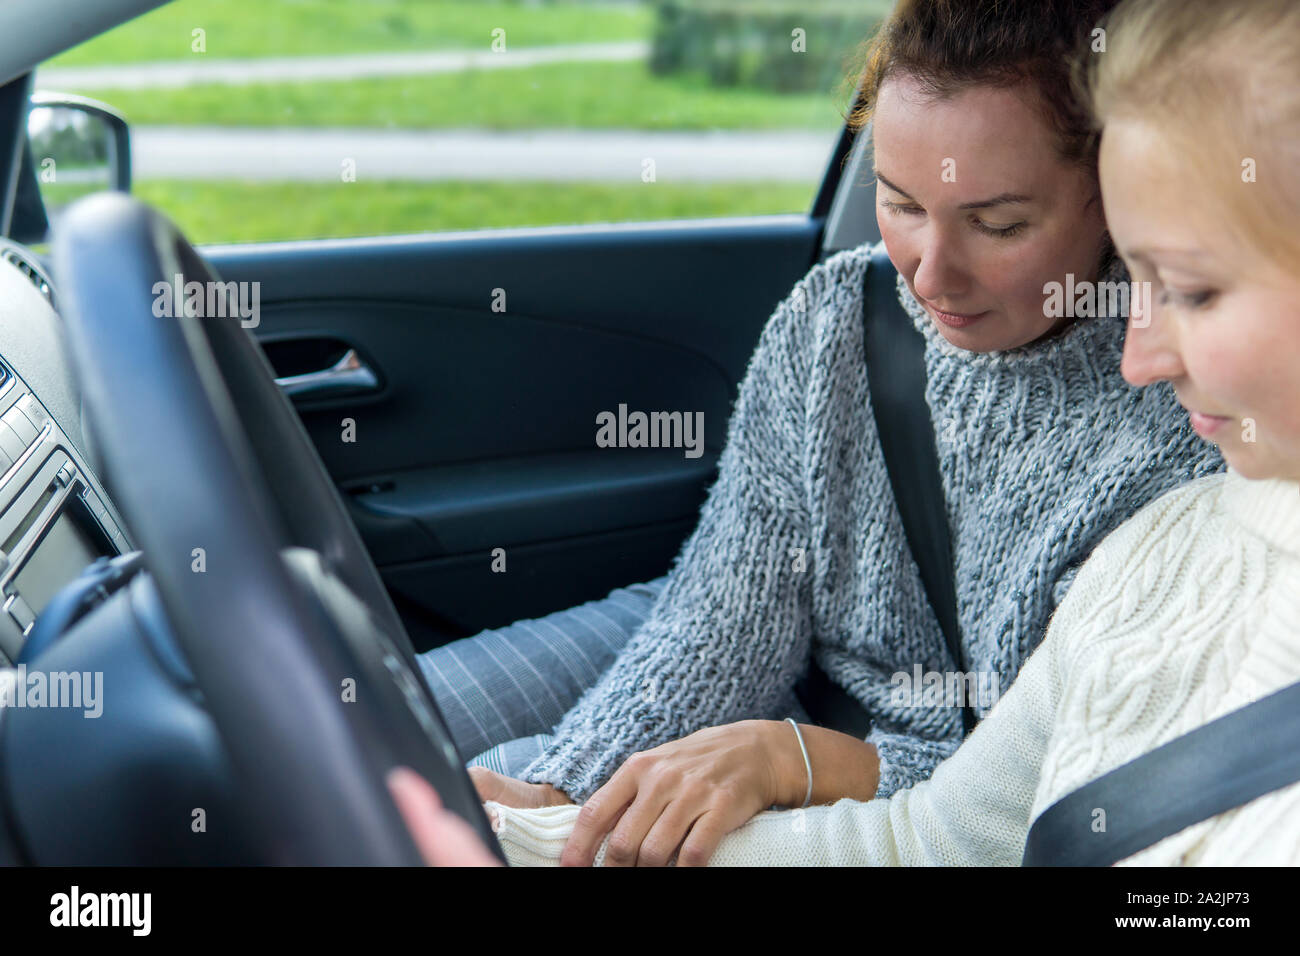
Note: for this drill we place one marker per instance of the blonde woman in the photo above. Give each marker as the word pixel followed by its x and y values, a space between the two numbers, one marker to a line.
pixel 1191 609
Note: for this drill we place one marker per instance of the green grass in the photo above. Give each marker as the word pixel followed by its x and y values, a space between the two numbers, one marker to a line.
pixel 56 195
pixel 570 95
pixel 232 211
pixel 561 95
pixel 259 28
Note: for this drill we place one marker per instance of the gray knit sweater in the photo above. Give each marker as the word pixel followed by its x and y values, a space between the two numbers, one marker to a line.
pixel 1043 451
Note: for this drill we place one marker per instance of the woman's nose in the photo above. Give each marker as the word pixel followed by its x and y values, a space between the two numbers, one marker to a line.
pixel 1151 351
pixel 939 275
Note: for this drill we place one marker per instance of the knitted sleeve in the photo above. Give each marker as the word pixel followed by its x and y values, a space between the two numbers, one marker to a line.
pixel 974 810
pixel 731 631
pixel 907 760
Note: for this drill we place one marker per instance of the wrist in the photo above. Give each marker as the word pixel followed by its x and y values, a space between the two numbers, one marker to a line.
pixel 553 795
pixel 789 775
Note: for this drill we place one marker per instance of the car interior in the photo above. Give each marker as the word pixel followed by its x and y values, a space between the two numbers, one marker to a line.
pixel 229 523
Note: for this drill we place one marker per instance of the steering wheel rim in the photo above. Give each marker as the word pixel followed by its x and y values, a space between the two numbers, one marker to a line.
pixel 168 397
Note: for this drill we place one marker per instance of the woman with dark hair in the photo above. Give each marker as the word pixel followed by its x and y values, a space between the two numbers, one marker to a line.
pixel 987 198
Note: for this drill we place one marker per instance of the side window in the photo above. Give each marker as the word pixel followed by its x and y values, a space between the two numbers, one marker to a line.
pixel 258 120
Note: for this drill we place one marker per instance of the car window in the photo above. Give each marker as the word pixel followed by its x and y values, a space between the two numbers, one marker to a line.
pixel 288 119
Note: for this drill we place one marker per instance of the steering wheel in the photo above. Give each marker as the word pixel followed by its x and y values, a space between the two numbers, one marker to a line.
pixel 301 658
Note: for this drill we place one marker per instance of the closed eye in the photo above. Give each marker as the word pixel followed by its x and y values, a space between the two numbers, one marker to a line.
pixel 900 208
pixel 997 232
pixel 1186 300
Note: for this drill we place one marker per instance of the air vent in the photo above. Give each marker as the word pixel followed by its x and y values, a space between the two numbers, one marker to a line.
pixel 34 275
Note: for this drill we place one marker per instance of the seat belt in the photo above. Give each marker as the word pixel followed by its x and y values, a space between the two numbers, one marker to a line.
pixel 896 377
pixel 895 355
pixel 1221 765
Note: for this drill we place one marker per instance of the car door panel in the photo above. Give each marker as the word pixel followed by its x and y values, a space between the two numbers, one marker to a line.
pixel 492 355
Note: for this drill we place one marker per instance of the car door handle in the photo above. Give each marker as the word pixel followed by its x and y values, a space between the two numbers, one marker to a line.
pixel 349 374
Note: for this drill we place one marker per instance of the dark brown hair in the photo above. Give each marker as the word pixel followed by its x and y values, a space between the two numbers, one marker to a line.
pixel 949 45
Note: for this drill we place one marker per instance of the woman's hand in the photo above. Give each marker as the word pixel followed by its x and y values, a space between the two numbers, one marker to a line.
pixel 682 798
pixel 514 793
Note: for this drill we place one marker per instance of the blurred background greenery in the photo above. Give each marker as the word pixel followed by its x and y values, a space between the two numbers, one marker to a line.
pixel 705 67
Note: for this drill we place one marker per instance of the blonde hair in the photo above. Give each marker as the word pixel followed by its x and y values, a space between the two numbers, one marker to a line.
pixel 1219 81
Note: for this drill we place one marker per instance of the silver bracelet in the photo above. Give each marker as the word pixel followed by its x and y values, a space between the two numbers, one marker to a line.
pixel 806 762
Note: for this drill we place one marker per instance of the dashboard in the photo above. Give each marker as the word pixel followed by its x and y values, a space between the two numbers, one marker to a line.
pixel 55 516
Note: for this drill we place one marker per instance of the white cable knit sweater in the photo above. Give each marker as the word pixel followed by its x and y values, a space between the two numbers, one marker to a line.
pixel 1186 612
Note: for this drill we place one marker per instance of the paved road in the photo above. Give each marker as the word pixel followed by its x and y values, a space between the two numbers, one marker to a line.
pixel 200 69
pixel 544 155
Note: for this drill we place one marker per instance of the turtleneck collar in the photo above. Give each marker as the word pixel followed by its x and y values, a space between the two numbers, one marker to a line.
pixel 1091 340
pixel 1267 507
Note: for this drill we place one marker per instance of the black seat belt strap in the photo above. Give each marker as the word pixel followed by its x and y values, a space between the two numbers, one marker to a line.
pixel 895 357
pixel 896 376
pixel 1227 762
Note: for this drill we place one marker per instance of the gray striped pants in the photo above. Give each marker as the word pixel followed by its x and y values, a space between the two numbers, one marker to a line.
pixel 503 691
